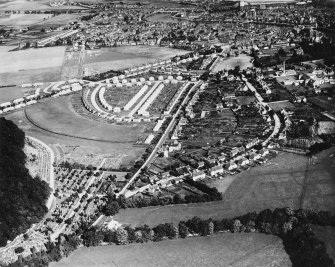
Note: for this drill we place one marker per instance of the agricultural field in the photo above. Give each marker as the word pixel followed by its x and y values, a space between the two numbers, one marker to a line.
pixel 219 250
pixel 23 19
pixel 119 58
pixel 32 5
pixel 30 59
pixel 31 65
pixel 30 76
pixel 9 93
pixel 225 64
pixel 288 180
pixel 61 19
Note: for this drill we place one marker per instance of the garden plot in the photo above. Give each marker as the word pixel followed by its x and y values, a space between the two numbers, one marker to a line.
pixel 163 99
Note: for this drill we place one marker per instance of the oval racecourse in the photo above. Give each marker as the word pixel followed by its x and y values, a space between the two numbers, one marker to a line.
pixel 56 116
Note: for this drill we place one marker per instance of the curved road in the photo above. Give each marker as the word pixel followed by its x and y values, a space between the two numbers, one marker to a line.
pixel 260 100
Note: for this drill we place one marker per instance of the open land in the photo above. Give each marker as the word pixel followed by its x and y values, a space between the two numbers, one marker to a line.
pixel 30 58
pixel 118 58
pixel 10 93
pixel 225 64
pixel 31 65
pixel 219 250
pixel 85 137
pixel 57 116
pixel 61 19
pixel 23 19
pixel 32 5
pixel 288 180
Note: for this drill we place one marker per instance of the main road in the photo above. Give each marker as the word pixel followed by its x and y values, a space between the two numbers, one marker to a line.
pixel 102 218
pixel 161 140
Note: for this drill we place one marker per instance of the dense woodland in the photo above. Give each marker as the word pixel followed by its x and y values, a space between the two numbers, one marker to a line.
pixel 22 197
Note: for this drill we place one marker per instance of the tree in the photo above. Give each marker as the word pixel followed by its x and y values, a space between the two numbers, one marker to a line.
pixel 111 208
pixel 210 228
pixel 121 236
pixel 183 230
pixel 92 238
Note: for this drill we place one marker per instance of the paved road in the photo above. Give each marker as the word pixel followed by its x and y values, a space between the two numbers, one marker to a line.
pixel 161 141
pixel 260 100
pixel 152 156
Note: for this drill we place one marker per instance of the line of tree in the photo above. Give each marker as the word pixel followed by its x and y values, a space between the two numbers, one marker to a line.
pixel 22 197
pixel 294 227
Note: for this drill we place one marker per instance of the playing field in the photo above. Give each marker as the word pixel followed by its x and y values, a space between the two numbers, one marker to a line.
pixel 289 180
pixel 236 250
pixel 118 58
pixel 226 64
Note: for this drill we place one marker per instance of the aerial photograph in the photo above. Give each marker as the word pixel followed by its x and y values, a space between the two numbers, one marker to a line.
pixel 167 133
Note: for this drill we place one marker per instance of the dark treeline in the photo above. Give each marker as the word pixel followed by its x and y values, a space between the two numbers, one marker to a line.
pixel 22 197
pixel 293 227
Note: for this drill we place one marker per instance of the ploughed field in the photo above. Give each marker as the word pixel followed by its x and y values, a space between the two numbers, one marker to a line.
pixel 288 180
pixel 219 250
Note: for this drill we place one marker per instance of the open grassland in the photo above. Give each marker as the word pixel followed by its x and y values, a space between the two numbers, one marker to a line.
pixel 31 65
pixel 14 92
pixel 288 180
pixel 61 19
pixel 30 59
pixel 218 250
pixel 76 147
pixel 23 19
pixel 327 235
pixel 118 58
pixel 57 116
pixel 30 76
pixel 226 64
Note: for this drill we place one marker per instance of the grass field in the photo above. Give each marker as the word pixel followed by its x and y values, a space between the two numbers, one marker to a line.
pixel 236 250
pixel 23 19
pixel 11 93
pixel 79 146
pixel 56 115
pixel 284 181
pixel 31 65
pixel 30 59
pixel 327 235
pixel 225 64
pixel 118 58
pixel 61 19
pixel 30 76
pixel 32 5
